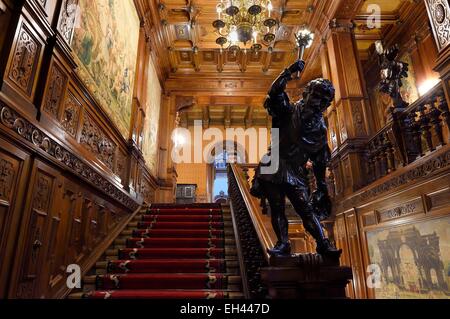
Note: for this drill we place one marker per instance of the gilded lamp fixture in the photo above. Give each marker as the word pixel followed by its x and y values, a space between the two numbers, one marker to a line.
pixel 246 22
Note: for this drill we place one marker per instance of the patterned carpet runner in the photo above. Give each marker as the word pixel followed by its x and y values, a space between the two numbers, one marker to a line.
pixel 170 251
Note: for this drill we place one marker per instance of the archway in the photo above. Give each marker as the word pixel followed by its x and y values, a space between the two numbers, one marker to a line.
pixel 227 152
pixel 409 271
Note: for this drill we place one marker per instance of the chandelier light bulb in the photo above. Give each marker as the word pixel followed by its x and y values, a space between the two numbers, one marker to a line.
pixel 234 37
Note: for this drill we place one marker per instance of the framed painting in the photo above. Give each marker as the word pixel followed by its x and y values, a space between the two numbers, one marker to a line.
pixel 413 260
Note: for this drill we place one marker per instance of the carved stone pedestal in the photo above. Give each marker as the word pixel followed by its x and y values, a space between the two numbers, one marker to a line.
pixel 305 276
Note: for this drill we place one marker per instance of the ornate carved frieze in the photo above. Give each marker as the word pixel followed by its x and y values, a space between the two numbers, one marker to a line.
pixel 412 207
pixel 439 13
pixel 13 121
pixel 67 19
pixel 7 176
pixel 71 115
pixel 95 141
pixel 55 91
pixel 24 60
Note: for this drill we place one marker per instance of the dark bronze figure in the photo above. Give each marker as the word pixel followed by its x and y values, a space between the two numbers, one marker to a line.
pixel 392 73
pixel 302 138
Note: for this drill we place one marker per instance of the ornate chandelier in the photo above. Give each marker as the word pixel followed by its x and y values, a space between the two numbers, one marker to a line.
pixel 245 22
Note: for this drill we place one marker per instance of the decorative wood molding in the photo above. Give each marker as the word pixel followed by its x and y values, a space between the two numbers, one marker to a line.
pixel 13 121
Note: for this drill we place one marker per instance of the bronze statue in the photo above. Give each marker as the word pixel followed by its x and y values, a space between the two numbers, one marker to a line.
pixel 392 73
pixel 302 138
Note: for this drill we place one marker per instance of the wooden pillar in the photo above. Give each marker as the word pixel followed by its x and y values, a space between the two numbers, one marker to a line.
pixel 348 116
pixel 166 168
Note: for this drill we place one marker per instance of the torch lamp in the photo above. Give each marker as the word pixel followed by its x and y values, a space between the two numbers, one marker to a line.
pixel 304 39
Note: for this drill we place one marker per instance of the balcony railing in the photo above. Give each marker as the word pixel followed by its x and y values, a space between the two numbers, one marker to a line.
pixel 410 135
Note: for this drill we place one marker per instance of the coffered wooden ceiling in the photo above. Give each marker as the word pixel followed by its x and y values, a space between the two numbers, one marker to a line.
pixel 230 88
pixel 192 41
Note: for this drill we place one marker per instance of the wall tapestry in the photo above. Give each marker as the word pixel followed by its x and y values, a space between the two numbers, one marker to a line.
pixel 105 45
pixel 414 260
pixel 151 126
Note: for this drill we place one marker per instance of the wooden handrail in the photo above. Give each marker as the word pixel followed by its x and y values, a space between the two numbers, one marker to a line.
pixel 262 223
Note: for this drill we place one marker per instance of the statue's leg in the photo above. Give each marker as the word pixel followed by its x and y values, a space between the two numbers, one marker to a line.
pixel 299 198
pixel 276 197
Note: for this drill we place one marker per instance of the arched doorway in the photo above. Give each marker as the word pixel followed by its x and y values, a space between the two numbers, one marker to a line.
pixel 224 153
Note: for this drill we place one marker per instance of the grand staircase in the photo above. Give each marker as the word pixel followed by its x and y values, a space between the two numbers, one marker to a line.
pixel 170 251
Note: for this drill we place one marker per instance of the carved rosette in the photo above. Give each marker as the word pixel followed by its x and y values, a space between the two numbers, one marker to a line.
pixel 439 13
pixel 13 121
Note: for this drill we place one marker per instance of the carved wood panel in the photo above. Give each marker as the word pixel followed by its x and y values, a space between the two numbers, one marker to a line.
pixel 340 234
pixel 71 114
pixel 37 240
pixel 97 142
pixel 355 255
pixel 67 19
pixel 55 90
pixel 24 60
pixel 13 164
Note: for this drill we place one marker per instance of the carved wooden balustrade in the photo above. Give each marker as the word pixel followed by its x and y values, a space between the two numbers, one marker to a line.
pixel 302 275
pixel 410 135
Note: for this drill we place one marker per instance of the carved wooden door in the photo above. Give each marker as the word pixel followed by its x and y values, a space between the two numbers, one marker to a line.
pixel 36 232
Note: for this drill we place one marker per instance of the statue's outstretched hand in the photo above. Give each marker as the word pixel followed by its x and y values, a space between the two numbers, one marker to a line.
pixel 297 66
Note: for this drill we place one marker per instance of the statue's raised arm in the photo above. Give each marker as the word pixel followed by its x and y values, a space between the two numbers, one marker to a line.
pixel 277 101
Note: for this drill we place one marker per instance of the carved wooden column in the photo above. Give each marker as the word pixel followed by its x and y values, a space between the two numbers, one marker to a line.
pixel 348 121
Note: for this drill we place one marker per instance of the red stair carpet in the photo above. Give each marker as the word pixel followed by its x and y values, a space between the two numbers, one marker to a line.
pixel 170 251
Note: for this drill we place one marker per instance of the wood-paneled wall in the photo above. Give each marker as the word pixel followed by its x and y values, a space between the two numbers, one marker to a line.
pixel 407 208
pixel 69 180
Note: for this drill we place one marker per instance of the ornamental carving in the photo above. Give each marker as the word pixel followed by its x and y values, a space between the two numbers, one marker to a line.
pixel 439 13
pixel 7 176
pixel 120 166
pixel 55 91
pixel 71 115
pixel 358 119
pixel 13 121
pixel 95 141
pixel 424 170
pixel 24 60
pixel 67 19
pixel 41 200
pixel 399 211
